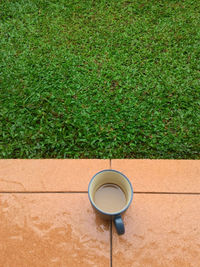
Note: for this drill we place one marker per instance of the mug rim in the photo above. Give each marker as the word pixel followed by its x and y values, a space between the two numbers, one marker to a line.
pixel 111 213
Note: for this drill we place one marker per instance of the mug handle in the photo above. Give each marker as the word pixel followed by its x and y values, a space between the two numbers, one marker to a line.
pixel 119 224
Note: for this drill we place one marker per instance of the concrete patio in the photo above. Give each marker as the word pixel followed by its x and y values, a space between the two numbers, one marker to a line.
pixel 46 218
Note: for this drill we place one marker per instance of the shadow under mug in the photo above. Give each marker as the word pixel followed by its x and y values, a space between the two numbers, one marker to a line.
pixel 111 176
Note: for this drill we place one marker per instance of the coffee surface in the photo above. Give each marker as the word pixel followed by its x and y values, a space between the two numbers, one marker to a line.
pixel 110 198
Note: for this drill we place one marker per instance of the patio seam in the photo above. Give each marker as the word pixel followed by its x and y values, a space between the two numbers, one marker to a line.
pixel 167 193
pixel 111 243
pixel 110 163
pixel 43 192
pixel 85 192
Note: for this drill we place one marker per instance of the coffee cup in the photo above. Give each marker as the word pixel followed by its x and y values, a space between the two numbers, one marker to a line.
pixel 110 193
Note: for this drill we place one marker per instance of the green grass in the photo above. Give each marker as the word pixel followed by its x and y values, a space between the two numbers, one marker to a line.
pixel 100 79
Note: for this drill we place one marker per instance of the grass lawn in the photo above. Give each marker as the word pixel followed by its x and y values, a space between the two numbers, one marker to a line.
pixel 100 79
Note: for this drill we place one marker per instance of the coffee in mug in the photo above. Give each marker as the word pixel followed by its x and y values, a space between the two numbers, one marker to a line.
pixel 110 193
pixel 110 198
